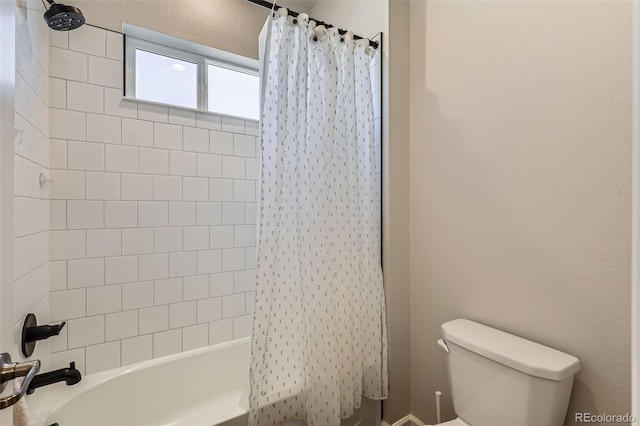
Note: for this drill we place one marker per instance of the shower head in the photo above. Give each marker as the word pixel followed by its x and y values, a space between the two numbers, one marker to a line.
pixel 61 17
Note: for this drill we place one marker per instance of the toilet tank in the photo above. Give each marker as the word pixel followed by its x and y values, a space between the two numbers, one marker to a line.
pixel 498 379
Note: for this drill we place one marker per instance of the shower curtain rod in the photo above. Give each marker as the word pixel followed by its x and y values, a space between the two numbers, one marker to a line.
pixel 269 5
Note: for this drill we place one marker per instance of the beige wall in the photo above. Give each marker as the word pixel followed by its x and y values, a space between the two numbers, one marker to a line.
pixel 364 17
pixel 230 25
pixel 520 185
pixel 367 18
pixel 395 243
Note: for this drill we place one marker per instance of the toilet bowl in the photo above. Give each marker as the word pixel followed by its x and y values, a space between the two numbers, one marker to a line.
pixel 498 379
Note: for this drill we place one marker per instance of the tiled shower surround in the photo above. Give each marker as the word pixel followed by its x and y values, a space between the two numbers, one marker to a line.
pixel 153 213
pixel 31 204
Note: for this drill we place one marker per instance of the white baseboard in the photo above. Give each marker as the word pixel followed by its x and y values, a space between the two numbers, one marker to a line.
pixel 405 420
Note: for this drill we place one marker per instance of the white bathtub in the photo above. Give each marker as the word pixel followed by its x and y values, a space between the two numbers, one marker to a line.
pixel 207 386
pixel 202 387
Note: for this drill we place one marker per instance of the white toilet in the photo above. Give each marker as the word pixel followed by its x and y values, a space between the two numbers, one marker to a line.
pixel 498 379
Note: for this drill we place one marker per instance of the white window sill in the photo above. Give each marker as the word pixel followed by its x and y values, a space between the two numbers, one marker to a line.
pixel 182 108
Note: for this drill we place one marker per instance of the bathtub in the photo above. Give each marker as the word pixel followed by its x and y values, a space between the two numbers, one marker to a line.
pixel 207 386
pixel 202 387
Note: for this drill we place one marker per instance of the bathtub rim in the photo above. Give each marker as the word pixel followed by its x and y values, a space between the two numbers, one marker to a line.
pixel 53 398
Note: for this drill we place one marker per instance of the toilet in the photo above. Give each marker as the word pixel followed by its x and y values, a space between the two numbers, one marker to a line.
pixel 498 379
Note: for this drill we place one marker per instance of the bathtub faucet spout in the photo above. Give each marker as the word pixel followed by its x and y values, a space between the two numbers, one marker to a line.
pixel 70 376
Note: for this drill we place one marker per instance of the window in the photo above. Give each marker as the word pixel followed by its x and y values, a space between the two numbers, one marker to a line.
pixel 165 79
pixel 163 69
pixel 232 92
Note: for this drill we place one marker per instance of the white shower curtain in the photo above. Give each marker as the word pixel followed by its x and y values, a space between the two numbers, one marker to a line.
pixel 319 332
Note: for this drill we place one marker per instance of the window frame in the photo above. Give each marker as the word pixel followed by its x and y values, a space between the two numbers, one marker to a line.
pixel 133 44
pixel 202 61
pixel 229 66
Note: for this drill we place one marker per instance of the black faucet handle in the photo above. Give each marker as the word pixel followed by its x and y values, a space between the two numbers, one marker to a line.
pixel 32 332
pixel 42 332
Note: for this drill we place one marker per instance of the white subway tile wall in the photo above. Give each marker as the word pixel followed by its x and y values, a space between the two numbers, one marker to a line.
pixel 35 92
pixel 145 242
pixel 154 215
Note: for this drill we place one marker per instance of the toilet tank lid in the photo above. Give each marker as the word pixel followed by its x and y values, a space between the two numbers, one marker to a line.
pixel 513 351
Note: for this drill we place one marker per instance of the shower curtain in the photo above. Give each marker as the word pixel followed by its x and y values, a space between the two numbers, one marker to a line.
pixel 319 332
